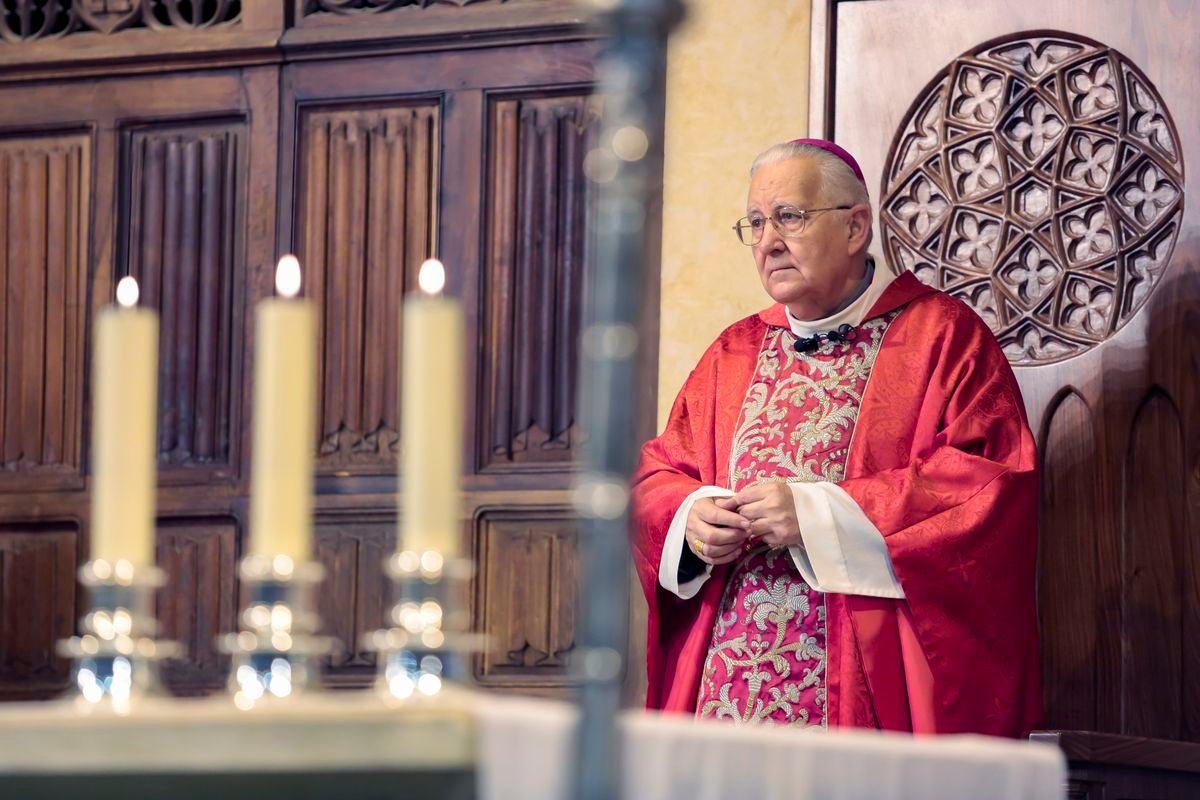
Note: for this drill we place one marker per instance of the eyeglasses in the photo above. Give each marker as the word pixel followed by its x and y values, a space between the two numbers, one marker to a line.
pixel 788 221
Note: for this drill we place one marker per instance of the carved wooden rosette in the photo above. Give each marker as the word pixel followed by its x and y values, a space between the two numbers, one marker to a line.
pixel 1038 178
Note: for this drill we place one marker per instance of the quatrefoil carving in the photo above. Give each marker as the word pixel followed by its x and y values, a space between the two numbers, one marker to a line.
pixel 1039 178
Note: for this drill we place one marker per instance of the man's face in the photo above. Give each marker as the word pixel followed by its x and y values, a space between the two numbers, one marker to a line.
pixel 812 273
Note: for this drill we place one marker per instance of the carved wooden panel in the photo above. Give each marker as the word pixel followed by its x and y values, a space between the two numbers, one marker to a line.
pixel 356 595
pixel 1078 538
pixel 180 238
pixel 526 595
pixel 27 20
pixel 1060 154
pixel 1039 179
pixel 348 7
pixel 534 275
pixel 44 222
pixel 200 600
pixel 37 606
pixel 1157 567
pixel 365 218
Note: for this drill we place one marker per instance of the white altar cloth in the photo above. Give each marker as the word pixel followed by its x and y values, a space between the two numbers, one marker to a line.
pixel 523 749
pixel 526 747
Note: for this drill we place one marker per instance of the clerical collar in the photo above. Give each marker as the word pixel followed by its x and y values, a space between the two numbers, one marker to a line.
pixel 854 310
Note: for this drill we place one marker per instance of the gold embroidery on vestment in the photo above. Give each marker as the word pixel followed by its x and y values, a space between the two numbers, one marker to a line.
pixel 787 447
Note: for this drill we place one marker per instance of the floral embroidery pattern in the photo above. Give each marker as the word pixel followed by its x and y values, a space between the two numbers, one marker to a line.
pixel 776 648
pixel 766 659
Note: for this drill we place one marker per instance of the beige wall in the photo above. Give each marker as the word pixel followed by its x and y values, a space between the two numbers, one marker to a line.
pixel 737 82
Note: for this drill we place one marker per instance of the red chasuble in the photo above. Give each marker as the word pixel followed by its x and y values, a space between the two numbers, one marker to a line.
pixel 943 463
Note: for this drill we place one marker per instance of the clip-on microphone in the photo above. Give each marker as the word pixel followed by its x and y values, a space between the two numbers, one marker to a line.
pixel 844 333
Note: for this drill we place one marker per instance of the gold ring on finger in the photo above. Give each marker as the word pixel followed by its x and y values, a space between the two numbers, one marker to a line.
pixel 698 546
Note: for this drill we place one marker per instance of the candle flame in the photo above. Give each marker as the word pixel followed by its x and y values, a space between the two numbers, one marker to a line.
pixel 432 277
pixel 127 292
pixel 287 276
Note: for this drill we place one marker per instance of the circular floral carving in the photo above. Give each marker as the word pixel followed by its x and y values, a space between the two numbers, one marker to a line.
pixel 1039 179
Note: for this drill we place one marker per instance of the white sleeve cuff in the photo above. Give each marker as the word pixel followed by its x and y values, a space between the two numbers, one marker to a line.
pixel 668 565
pixel 842 551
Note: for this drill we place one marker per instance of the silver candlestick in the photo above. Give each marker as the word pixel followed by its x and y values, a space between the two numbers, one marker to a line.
pixel 275 653
pixel 429 641
pixel 116 657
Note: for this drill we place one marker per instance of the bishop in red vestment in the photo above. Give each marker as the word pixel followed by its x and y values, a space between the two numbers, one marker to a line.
pixel 838 526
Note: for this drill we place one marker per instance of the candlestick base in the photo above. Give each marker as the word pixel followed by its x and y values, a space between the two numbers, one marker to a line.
pixel 429 643
pixel 275 654
pixel 117 656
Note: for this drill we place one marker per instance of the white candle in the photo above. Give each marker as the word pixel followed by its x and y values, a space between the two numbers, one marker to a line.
pixel 431 404
pixel 124 428
pixel 281 469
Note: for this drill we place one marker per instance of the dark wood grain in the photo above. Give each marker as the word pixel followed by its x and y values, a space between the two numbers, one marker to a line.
pixel 525 596
pixel 1104 765
pixel 357 595
pixel 1072 610
pixel 42 211
pixel 37 606
pixel 199 602
pixel 183 205
pixel 365 211
pixel 534 275
pixel 1152 614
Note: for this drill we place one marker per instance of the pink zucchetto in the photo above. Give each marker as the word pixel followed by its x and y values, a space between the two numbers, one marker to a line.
pixel 838 151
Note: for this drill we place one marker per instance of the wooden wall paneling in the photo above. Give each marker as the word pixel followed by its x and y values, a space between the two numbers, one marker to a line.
pixel 356 595
pixel 458 244
pixel 366 176
pixel 534 273
pixel 44 224
pixel 88 38
pixel 200 599
pixel 1083 260
pixel 37 607
pixel 1075 616
pixel 1173 473
pixel 442 23
pixel 525 596
pixel 458 79
pixel 182 238
pixel 1152 596
pixel 259 223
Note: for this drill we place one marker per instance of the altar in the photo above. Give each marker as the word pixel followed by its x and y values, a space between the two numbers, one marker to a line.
pixel 469 745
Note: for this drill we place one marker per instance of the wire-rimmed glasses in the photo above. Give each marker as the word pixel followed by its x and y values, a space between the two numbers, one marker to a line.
pixel 788 221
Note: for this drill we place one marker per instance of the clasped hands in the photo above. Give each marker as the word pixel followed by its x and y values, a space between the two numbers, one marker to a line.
pixel 719 527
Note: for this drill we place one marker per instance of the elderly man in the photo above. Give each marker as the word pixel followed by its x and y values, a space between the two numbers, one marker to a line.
pixel 838 525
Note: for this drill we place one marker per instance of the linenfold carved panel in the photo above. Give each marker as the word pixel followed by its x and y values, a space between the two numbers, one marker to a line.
pixel 183 194
pixel 44 221
pixel 27 20
pixel 37 606
pixel 367 180
pixel 199 601
pixel 1039 178
pixel 534 274
pixel 526 595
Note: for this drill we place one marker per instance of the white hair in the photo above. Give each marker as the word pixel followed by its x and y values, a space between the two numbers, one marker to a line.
pixel 839 184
